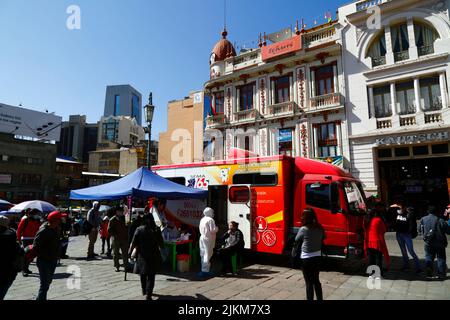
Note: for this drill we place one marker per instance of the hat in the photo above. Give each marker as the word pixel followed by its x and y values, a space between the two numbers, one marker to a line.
pixel 4 222
pixel 208 212
pixel 54 216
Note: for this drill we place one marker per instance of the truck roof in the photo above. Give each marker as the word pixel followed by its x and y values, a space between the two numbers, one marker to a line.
pixel 310 166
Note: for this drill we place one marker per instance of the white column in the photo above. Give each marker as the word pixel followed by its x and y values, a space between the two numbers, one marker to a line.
pixel 316 141
pixel 335 79
pixel 371 103
pixel 272 92
pixel 238 100
pixel 393 99
pixel 443 85
pixel 339 139
pixel 313 84
pixel 413 54
pixel 417 95
pixel 291 89
pixel 389 50
pixel 254 96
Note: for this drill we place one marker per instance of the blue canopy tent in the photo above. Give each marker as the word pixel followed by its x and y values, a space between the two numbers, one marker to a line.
pixel 140 183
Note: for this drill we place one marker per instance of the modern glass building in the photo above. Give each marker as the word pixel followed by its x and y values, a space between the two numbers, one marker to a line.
pixel 123 100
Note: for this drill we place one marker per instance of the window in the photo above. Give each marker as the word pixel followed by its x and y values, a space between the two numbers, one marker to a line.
pixel 425 37
pixel 270 179
pixel 239 195
pixel 318 195
pixel 30 179
pixel 116 105
pixel 285 141
pixel 355 199
pixel 219 102
pixel 384 153
pixel 327 140
pixel 324 77
pixel 402 152
pixel 246 97
pixel 377 50
pixel 110 130
pixel 420 150
pixel 430 94
pixel 33 161
pixel 439 148
pixel 405 97
pixel 400 42
pixel 282 89
pixel 382 101
pixel 135 107
pixel 4 157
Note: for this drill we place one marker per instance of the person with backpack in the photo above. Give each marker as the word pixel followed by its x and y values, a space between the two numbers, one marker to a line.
pixel 26 232
pixel 310 239
pixel 119 233
pixel 11 257
pixel 434 230
pixel 148 241
pixel 406 230
pixel 47 247
pixel 93 220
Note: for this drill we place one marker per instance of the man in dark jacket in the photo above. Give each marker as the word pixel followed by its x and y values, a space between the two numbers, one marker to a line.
pixel 234 243
pixel 10 252
pixel 119 233
pixel 434 229
pixel 47 248
pixel 147 240
pixel 94 219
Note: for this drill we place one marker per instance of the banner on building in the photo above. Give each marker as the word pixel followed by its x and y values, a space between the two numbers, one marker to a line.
pixel 283 47
pixel 29 123
pixel 338 161
pixel 285 135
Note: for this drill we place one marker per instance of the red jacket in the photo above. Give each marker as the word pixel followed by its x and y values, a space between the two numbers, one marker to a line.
pixel 374 238
pixel 104 229
pixel 27 229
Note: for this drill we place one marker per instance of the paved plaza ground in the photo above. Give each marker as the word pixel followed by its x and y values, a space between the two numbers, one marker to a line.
pixel 258 279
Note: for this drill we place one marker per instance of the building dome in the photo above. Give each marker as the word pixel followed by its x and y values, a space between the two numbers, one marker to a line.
pixel 223 49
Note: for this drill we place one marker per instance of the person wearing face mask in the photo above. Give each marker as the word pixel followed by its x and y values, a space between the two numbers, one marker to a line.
pixel 26 232
pixel 406 230
pixel 117 229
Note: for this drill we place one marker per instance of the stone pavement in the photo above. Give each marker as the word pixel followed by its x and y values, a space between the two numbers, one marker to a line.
pixel 257 279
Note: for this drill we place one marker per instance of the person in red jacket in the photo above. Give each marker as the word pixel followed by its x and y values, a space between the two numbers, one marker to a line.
pixel 104 235
pixel 26 232
pixel 374 243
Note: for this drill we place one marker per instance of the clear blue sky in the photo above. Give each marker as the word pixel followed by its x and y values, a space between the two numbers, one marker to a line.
pixel 161 46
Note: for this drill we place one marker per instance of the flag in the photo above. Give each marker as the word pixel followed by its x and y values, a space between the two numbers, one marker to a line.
pixel 328 16
pixel 212 110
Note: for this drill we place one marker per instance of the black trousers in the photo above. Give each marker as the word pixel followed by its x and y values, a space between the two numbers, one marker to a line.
pixel 375 258
pixel 108 243
pixel 311 270
pixel 26 264
pixel 148 283
pixel 225 256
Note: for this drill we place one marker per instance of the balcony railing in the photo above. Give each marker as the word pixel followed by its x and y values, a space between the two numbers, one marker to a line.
pixel 384 123
pixel 364 5
pixel 217 120
pixel 407 121
pixel 433 117
pixel 245 115
pixel 423 51
pixel 284 108
pixel 326 100
pixel 378 61
pixel 320 36
pixel 400 56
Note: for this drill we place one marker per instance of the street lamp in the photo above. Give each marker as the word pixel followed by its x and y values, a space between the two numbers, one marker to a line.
pixel 149 108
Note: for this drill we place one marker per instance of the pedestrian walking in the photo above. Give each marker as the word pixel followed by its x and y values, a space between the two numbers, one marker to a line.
pixel 47 248
pixel 434 230
pixel 10 258
pixel 233 241
pixel 105 236
pixel 94 220
pixel 374 242
pixel 26 232
pixel 147 241
pixel 406 231
pixel 119 233
pixel 66 228
pixel 310 239
pixel 208 231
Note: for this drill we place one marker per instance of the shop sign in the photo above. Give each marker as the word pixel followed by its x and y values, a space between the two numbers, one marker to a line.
pixel 424 137
pixel 283 47
pixel 285 135
pixel 5 179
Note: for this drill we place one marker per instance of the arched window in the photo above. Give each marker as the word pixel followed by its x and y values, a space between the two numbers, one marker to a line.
pixel 400 42
pixel 377 51
pixel 425 37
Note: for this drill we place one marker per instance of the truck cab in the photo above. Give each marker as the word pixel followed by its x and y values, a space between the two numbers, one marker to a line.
pixel 338 201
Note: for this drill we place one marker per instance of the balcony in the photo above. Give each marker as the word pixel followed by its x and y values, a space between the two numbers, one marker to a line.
pixel 217 120
pixel 433 117
pixel 364 5
pixel 378 61
pixel 401 56
pixel 318 37
pixel 384 123
pixel 327 100
pixel 282 109
pixel 243 60
pixel 245 115
pixel 425 50
pixel 407 120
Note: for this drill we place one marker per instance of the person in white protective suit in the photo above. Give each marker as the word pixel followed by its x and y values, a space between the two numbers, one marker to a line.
pixel 208 231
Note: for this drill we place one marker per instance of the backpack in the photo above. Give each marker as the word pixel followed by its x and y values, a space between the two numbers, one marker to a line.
pixel 86 227
pixel 431 234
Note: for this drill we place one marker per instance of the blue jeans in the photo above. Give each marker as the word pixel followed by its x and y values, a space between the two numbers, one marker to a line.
pixel 431 252
pixel 405 242
pixel 46 272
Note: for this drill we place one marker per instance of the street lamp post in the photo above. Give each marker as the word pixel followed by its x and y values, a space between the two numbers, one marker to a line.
pixel 149 108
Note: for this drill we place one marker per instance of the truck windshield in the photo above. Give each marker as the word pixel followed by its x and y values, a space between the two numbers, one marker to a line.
pixel 355 199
